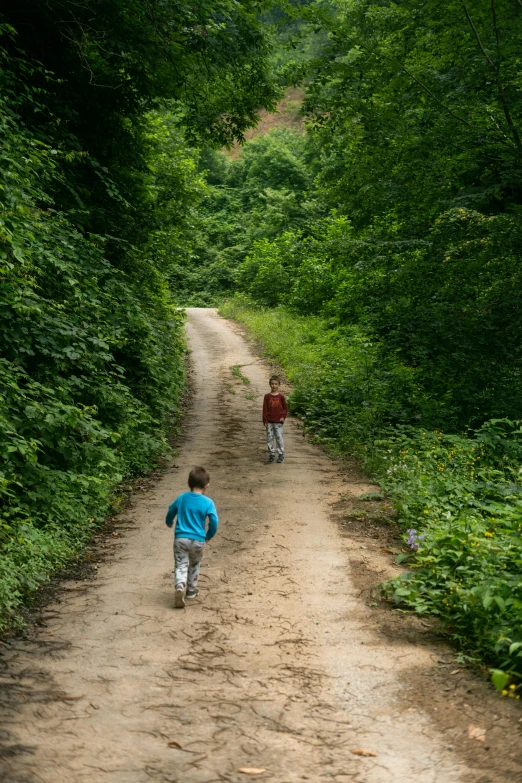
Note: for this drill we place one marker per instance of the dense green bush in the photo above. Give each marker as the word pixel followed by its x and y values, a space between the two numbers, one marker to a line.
pixel 250 204
pixel 460 499
pixel 398 211
pixel 90 374
pixel 446 306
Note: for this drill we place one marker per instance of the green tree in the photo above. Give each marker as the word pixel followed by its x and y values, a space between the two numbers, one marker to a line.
pixel 413 145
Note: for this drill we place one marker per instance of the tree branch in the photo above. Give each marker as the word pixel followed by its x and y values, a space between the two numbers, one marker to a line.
pixel 505 140
pixel 418 81
pixel 497 34
pixel 427 89
pixel 496 68
pixel 477 37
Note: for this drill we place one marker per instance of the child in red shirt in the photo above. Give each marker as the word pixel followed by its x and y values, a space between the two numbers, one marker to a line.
pixel 275 411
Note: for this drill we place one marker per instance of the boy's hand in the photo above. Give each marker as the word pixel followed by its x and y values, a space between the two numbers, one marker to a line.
pixel 281 421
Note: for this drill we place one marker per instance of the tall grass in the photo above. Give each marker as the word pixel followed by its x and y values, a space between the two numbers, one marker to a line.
pixel 344 388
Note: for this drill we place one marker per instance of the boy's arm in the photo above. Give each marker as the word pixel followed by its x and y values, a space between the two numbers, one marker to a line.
pixel 213 522
pixel 171 513
pixel 265 410
pixel 284 405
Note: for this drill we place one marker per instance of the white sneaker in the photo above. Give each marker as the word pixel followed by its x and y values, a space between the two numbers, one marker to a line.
pixel 179 599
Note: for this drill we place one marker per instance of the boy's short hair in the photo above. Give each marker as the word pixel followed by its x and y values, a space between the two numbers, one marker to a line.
pixel 274 378
pixel 198 478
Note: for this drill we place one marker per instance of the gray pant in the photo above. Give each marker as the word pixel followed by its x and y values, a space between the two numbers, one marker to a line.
pixel 275 430
pixel 187 562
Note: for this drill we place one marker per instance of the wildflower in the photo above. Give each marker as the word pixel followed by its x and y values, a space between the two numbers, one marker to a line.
pixel 413 539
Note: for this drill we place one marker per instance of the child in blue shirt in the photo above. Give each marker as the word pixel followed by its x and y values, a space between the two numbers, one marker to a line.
pixel 191 509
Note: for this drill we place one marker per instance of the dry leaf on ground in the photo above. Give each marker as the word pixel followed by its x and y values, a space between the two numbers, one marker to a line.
pixel 362 752
pixel 251 770
pixel 475 732
pixel 174 744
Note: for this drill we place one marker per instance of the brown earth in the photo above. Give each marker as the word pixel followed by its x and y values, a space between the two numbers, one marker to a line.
pixel 287 115
pixel 285 662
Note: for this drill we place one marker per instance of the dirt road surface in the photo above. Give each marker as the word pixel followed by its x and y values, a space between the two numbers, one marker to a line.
pixel 279 665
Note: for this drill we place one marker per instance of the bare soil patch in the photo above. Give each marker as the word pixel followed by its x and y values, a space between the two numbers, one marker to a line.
pixel 288 115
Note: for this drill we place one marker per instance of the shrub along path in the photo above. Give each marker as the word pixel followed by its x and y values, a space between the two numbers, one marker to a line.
pixel 280 665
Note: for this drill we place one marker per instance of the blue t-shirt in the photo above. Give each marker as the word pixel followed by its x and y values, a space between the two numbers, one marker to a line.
pixel 192 510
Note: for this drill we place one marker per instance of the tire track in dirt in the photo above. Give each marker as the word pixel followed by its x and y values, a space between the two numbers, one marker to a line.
pixel 277 664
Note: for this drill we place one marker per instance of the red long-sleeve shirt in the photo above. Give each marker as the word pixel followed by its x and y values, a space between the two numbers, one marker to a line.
pixel 274 408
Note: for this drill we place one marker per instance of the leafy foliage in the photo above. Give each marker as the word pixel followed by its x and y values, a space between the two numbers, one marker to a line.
pixel 400 210
pixel 254 199
pixel 462 499
pixel 91 369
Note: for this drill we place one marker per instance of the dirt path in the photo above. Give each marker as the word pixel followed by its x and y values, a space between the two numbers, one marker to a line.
pixel 278 665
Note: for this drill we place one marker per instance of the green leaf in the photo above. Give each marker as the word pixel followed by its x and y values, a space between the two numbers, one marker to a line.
pixel 499 679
